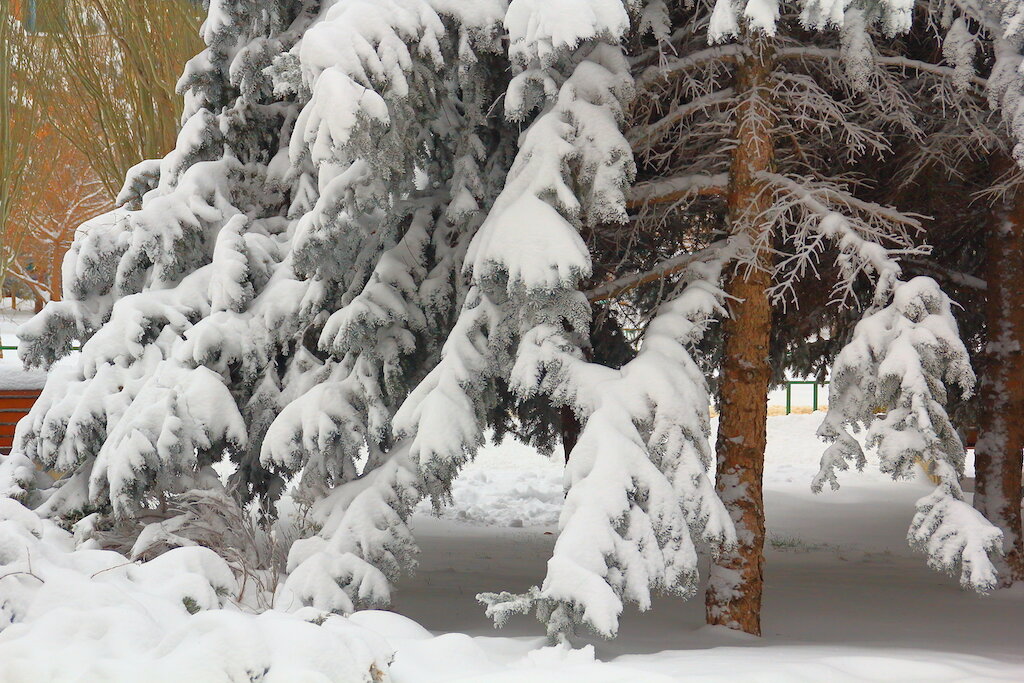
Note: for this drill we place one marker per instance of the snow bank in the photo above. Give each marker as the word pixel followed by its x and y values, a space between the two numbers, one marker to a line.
pixel 459 658
pixel 13 376
pixel 508 484
pixel 170 619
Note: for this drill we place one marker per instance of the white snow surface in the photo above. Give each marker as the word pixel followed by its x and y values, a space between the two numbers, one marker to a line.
pixel 12 374
pixel 846 599
pixel 509 484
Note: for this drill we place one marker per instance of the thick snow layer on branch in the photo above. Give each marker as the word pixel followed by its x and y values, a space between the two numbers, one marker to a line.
pixel 959 49
pixel 442 414
pixel 230 289
pixel 542 30
pixel 819 14
pixel 364 542
pixel 724 23
pixel 177 413
pixel 895 16
pixel 956 537
pixel 573 163
pixel 369 41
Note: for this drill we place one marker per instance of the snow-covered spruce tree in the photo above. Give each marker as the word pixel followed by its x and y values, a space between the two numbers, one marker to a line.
pixel 332 287
pixel 636 480
pixel 766 122
pixel 273 289
pixel 163 291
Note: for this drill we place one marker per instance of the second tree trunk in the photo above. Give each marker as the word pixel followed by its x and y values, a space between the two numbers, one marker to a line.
pixel 998 455
pixel 734 591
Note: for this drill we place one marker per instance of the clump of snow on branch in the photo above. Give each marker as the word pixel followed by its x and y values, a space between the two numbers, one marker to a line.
pixel 540 31
pixel 730 17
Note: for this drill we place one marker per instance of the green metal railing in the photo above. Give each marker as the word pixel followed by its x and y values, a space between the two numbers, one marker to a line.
pixel 789 393
pixel 15 348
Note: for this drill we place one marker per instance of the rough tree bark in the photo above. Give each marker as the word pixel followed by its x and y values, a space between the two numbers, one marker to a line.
pixel 570 430
pixel 998 458
pixel 734 591
pixel 56 258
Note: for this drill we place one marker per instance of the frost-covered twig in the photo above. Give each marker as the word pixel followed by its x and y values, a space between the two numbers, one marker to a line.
pixel 674 189
pixel 822 214
pixel 721 252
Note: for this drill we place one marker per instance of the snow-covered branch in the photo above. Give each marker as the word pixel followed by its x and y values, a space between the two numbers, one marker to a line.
pixel 665 190
pixel 827 214
pixel 714 56
pixel 810 52
pixel 901 359
pixel 721 252
pixel 647 424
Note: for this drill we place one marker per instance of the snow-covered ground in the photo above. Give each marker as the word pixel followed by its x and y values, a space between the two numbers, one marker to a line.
pixel 12 374
pixel 846 600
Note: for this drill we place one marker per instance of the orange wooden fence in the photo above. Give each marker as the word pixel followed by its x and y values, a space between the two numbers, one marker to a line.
pixel 14 405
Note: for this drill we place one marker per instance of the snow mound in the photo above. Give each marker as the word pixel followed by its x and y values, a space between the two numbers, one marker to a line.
pixel 13 376
pixel 505 498
pixel 508 484
pixel 173 618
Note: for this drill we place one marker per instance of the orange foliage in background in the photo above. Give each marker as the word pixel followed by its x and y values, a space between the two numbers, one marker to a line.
pixel 71 194
pixel 84 100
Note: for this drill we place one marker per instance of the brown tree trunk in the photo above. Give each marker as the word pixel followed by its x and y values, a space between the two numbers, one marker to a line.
pixel 734 591
pixel 55 272
pixel 570 430
pixel 999 453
